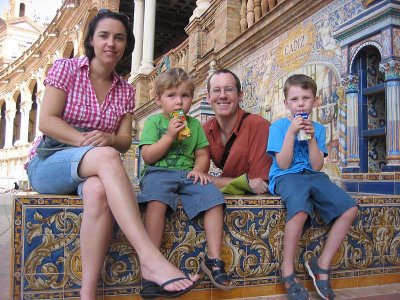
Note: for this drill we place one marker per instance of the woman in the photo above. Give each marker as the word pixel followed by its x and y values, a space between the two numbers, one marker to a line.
pixel 88 107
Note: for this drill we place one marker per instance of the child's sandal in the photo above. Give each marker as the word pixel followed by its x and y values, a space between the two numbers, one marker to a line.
pixel 323 287
pixel 217 276
pixel 295 291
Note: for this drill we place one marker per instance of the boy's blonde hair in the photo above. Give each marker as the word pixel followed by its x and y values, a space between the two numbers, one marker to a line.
pixel 301 80
pixel 172 78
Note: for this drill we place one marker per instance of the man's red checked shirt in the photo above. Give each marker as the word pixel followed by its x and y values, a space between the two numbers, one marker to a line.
pixel 81 106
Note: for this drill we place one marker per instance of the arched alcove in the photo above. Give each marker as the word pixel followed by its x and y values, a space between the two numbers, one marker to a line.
pixel 17 118
pixel 21 10
pixel 3 124
pixel 32 112
pixel 371 108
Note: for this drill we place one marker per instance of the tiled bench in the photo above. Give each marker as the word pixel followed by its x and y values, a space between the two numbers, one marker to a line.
pixel 46 255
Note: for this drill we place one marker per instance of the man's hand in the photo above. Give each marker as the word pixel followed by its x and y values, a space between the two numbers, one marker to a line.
pixel 199 176
pixel 258 186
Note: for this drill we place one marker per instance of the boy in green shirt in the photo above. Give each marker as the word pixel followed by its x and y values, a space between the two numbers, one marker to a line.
pixel 178 166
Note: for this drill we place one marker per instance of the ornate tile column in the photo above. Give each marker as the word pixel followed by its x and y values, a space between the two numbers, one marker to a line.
pixel 391 68
pixel 350 82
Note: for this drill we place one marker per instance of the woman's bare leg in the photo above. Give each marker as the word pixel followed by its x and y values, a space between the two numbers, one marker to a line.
pixel 95 236
pixel 105 163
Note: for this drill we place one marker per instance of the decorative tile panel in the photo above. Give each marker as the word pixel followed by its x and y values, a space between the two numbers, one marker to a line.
pixel 47 254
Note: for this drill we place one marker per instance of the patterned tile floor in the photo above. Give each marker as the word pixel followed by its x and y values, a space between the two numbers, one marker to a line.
pixel 386 292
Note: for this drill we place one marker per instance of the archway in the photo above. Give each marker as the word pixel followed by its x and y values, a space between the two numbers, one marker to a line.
pixel 17 119
pixel 33 114
pixel 3 125
pixel 371 108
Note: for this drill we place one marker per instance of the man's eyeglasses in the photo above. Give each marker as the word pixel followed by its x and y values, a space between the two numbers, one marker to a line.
pixel 105 11
pixel 228 90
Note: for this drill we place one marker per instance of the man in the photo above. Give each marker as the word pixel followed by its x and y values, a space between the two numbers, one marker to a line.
pixel 247 154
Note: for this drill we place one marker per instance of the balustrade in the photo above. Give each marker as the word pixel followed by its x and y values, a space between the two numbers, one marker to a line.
pixel 253 10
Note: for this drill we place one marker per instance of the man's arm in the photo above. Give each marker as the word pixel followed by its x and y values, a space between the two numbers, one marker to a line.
pixel 220 182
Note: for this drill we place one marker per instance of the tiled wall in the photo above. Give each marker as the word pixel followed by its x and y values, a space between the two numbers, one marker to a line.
pixel 47 259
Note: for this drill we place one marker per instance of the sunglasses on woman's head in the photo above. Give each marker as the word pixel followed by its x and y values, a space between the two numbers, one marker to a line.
pixel 105 10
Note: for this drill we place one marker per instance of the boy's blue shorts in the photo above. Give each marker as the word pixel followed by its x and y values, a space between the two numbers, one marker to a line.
pixel 58 173
pixel 164 185
pixel 302 192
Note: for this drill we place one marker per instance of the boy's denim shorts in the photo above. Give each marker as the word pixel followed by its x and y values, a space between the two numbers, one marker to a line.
pixel 302 192
pixel 165 185
pixel 58 173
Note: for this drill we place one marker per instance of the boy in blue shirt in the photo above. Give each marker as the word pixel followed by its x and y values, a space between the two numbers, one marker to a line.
pixel 295 176
pixel 174 150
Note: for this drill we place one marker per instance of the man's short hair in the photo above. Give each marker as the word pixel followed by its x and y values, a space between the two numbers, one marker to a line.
pixel 225 71
pixel 301 80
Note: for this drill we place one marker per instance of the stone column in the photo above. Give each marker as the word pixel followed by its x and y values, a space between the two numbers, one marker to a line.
pixel 350 82
pixel 201 7
pixel 391 68
pixel 39 99
pixel 147 64
pixel 26 105
pixel 138 33
pixel 25 109
pixel 10 115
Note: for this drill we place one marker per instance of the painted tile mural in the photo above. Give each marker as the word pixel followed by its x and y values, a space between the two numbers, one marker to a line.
pixel 47 260
pixel 307 48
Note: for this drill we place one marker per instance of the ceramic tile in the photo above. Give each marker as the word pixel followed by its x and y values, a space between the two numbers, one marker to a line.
pixel 352 187
pixel 231 294
pixel 369 280
pixel 256 291
pixel 342 283
pixel 390 278
pixel 251 249
pixel 377 187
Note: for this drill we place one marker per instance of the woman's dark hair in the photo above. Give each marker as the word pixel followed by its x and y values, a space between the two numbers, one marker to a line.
pixel 108 14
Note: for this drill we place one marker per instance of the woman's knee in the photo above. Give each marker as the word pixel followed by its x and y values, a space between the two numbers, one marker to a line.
pixel 108 154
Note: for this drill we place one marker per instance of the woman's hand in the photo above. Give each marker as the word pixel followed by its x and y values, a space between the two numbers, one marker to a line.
pixel 97 138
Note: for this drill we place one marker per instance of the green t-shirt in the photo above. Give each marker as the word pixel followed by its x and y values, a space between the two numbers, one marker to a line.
pixel 180 155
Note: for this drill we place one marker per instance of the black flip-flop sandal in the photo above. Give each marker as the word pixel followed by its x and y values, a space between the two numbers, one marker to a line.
pixel 152 290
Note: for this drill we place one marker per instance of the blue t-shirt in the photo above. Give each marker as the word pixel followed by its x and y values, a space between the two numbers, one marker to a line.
pixel 300 161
